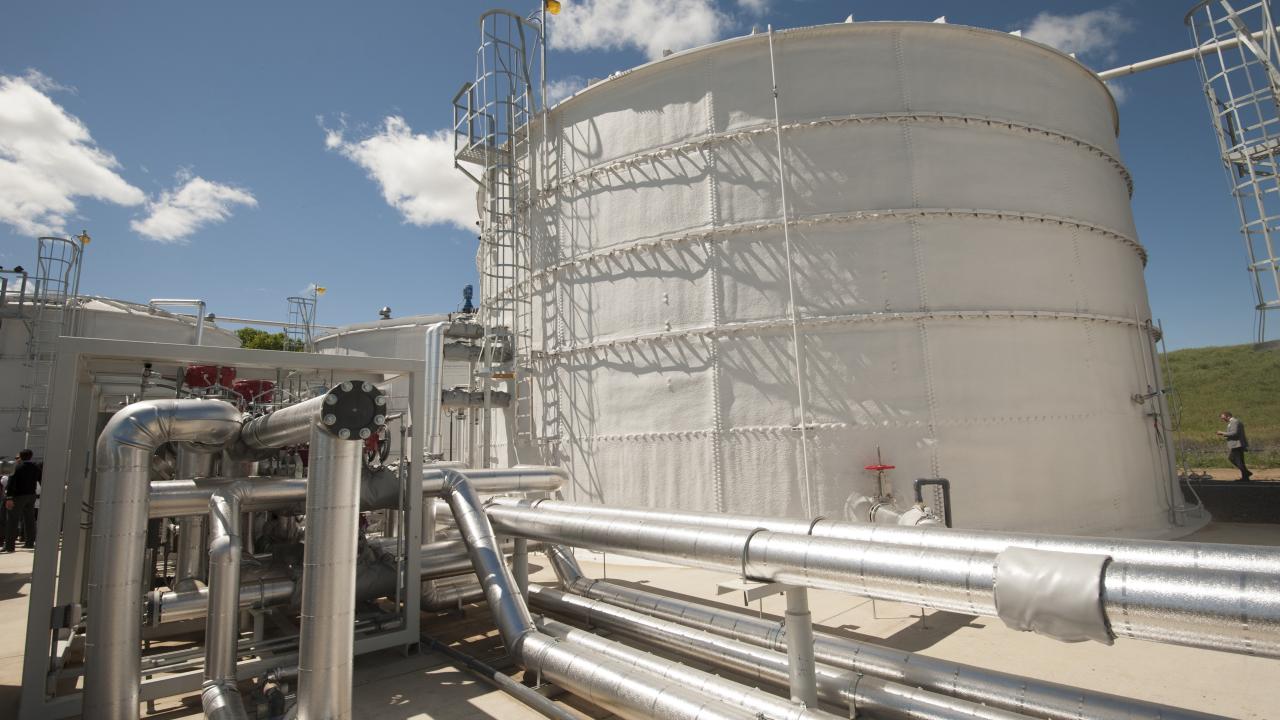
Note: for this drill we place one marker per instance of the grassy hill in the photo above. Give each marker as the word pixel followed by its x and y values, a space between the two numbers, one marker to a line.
pixel 1238 378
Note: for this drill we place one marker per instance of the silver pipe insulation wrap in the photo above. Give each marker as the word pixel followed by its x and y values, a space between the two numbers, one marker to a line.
pixel 326 635
pixel 190 497
pixel 1029 696
pixel 284 427
pixel 1152 553
pixel 1222 610
pixel 444 559
pixel 192 550
pixel 609 684
pixel 843 688
pixel 220 697
pixel 754 699
pixel 115 584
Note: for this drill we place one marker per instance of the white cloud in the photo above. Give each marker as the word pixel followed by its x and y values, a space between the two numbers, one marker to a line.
pixel 1119 92
pixel 650 27
pixel 755 7
pixel 1096 32
pixel 48 159
pixel 415 172
pixel 562 88
pixel 195 203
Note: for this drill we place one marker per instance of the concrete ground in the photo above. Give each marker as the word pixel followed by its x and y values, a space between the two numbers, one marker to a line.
pixel 428 686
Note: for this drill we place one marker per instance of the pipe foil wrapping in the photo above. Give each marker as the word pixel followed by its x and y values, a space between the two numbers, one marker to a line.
pixel 115 584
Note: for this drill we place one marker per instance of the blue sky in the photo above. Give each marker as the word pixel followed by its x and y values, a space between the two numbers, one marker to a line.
pixel 244 136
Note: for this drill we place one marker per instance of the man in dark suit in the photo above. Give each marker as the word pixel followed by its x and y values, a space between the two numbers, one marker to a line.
pixel 1237 443
pixel 20 502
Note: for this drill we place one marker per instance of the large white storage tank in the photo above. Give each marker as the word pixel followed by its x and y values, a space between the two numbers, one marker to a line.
pixel 963 258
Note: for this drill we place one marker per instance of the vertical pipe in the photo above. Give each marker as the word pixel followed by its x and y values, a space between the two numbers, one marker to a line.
pixel 807 490
pixel 520 566
pixel 115 587
pixel 326 638
pixel 800 663
pixel 192 549
pixel 220 697
pixel 434 357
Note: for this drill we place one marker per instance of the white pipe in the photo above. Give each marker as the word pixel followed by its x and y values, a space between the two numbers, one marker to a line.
pixel 433 355
pixel 197 304
pixel 1176 57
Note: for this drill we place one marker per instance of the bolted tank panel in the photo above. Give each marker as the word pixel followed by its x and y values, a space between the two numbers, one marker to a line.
pixel 963 260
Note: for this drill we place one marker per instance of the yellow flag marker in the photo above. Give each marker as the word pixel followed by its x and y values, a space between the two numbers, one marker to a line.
pixel 319 290
pixel 553 6
pixel 84 237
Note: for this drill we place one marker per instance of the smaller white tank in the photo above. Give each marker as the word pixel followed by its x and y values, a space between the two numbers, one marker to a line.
pixel 97 317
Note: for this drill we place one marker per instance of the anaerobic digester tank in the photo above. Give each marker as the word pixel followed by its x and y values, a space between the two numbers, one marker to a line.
pixel 963 259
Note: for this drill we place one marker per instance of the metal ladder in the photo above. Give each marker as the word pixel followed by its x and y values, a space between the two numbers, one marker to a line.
pixel 57 283
pixel 492 135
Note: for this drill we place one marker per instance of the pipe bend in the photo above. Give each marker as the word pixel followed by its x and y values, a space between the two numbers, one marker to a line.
pixel 146 425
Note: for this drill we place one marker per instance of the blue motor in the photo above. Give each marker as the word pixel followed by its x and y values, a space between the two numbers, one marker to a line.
pixel 467 307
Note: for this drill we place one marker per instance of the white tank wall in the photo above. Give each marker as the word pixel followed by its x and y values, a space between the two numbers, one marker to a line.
pixel 966 267
pixel 396 338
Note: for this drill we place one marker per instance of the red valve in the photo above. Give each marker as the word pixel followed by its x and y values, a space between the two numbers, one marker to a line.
pixel 879 468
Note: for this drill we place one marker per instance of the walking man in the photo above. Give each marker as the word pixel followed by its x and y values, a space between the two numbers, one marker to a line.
pixel 20 502
pixel 1237 443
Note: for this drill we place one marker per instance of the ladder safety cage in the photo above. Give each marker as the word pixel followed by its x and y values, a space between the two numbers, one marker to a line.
pixel 1238 57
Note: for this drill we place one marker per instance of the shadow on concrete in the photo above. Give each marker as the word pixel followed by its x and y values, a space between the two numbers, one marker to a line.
pixel 922 634
pixel 11 584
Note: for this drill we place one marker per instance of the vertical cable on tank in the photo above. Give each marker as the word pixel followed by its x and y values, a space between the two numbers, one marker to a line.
pixel 791 291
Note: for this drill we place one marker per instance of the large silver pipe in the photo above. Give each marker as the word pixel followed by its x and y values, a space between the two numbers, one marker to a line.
pixel 607 683
pixel 521 478
pixel 768 704
pixel 1231 611
pixel 192 553
pixel 860 693
pixel 1153 553
pixel 1029 696
pixel 123 464
pixel 178 605
pixel 444 559
pixel 220 697
pixel 179 498
pixel 326 635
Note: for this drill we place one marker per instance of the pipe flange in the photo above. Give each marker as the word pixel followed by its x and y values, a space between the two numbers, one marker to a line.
pixel 353 410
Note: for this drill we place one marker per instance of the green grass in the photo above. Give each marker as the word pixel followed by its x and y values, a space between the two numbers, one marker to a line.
pixel 1238 378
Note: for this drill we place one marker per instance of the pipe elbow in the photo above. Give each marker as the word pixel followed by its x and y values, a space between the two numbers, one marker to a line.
pixel 148 424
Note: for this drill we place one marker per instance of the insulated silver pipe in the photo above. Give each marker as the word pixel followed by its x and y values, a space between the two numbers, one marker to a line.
pixel 768 704
pixel 444 559
pixel 124 450
pixel 1029 696
pixel 611 685
pixel 220 697
pixel 192 553
pixel 178 605
pixel 326 635
pixel 521 478
pixel 860 693
pixel 179 498
pixel 1153 553
pixel 1231 611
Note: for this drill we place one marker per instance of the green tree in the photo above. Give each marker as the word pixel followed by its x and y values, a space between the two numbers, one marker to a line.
pixel 255 339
